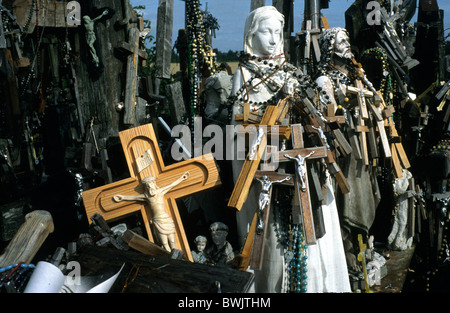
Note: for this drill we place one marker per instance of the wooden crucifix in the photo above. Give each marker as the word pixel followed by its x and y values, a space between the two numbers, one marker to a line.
pixel 144 160
pixel 134 52
pixel 301 208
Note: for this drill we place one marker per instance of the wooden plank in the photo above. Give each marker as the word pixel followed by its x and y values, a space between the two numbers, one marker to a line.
pixel 362 129
pixel 242 260
pixel 28 239
pixel 174 94
pixel 164 26
pixel 159 274
pixel 396 162
pixel 343 143
pixel 143 245
pixel 398 146
pixel 372 140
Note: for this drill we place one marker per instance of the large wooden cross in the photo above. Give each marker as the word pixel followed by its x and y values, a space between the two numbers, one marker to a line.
pixel 399 156
pixel 301 208
pixel 144 159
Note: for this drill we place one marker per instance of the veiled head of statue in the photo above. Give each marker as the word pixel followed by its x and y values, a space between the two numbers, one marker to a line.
pixel 264 32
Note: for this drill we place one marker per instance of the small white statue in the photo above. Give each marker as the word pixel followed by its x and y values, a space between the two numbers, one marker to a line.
pixel 199 255
pixel 164 226
pixel 397 239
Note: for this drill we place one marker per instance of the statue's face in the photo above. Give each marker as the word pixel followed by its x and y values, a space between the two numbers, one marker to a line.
pixel 268 36
pixel 201 246
pixel 219 237
pixel 151 187
pixel 342 46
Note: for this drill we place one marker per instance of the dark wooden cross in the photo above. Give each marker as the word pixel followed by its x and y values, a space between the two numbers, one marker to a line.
pixel 164 28
pixel 301 208
pixel 134 52
pixel 144 159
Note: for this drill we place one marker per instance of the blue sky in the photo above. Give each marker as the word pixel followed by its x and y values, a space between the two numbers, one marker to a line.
pixel 231 15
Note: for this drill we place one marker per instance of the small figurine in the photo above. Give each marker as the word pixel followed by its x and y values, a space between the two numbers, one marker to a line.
pixel 199 255
pixel 264 198
pixel 164 226
pixel 222 251
pixel 90 35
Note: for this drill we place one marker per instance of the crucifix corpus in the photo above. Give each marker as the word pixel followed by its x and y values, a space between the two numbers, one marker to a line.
pixel 257 234
pixel 153 188
pixel 301 206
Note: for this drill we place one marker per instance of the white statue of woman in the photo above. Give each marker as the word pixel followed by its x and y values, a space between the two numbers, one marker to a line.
pixel 263 78
pixel 164 226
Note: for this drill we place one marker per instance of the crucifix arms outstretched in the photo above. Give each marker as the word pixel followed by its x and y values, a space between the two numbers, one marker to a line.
pixel 154 196
pixel 300 163
pixel 264 198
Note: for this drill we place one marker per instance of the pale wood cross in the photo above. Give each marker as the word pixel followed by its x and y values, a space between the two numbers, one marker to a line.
pixel 245 179
pixel 312 38
pixel 144 159
pixel 361 94
pixel 399 157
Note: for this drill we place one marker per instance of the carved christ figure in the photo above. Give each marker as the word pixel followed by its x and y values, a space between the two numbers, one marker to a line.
pixel 300 170
pixel 90 35
pixel 164 226
pixel 264 198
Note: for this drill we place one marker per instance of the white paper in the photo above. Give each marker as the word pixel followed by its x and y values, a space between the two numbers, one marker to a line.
pixel 47 278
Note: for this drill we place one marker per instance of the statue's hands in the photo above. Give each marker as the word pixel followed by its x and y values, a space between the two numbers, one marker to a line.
pixel 105 12
pixel 118 198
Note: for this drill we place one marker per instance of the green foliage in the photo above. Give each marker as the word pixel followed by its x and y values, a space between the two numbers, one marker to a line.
pixel 230 56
